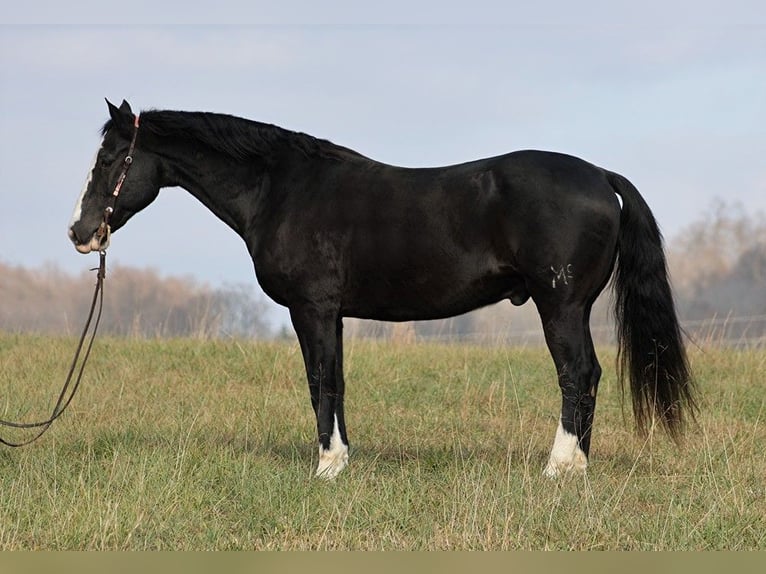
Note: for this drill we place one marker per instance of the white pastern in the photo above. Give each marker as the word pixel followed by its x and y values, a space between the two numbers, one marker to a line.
pixel 566 455
pixel 334 459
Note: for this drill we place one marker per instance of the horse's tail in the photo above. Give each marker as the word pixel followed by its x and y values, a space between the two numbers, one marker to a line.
pixel 650 349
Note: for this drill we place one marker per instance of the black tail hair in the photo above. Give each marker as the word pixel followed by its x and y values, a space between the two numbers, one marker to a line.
pixel 649 341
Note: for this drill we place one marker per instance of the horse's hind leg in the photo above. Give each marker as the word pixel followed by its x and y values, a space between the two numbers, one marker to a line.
pixel 320 336
pixel 567 334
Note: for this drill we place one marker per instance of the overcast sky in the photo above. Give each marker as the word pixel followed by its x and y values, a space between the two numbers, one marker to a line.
pixel 671 95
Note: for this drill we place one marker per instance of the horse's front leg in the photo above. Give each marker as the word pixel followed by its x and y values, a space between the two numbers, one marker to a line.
pixel 320 335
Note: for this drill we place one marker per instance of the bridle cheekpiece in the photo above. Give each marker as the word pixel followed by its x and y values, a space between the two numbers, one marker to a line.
pixel 104 230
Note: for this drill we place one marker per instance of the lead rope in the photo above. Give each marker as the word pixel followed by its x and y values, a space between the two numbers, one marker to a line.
pixel 66 395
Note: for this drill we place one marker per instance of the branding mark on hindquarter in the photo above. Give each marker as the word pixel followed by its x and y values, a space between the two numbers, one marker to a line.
pixel 563 274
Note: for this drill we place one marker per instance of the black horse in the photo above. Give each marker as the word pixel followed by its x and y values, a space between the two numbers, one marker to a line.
pixel 334 234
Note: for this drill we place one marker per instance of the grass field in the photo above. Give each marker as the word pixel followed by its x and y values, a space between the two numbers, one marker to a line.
pixel 185 444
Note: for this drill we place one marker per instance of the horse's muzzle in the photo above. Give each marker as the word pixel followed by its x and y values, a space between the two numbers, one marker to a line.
pixel 98 241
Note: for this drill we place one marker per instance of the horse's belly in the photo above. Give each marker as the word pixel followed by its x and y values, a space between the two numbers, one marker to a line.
pixel 424 294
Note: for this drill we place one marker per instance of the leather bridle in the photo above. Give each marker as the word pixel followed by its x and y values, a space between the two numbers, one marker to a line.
pixel 104 231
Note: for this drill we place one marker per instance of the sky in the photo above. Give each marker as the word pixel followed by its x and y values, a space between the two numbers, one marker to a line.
pixel 670 94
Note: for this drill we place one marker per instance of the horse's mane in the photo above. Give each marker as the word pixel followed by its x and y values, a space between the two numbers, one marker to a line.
pixel 236 137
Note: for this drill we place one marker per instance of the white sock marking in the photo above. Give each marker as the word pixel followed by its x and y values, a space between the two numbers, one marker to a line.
pixel 566 455
pixel 334 459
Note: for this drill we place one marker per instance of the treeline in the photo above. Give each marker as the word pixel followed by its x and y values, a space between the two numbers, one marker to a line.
pixel 138 302
pixel 717 264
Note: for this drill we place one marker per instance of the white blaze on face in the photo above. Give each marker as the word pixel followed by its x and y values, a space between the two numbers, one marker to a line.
pixel 566 454
pixel 78 206
pixel 334 459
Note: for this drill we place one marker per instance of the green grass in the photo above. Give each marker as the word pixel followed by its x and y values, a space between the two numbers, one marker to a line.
pixel 186 444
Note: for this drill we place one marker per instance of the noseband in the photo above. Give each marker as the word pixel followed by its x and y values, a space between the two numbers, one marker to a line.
pixel 104 230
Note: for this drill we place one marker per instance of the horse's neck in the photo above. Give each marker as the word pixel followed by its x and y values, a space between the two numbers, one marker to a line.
pixel 218 183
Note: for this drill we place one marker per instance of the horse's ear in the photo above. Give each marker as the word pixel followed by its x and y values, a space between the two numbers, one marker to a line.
pixel 125 108
pixel 113 111
pixel 122 115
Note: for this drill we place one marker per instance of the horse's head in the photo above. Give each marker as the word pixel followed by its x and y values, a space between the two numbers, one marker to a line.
pixel 116 186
